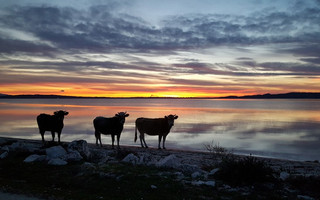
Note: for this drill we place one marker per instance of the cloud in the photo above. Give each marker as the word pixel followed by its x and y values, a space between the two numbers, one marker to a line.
pixel 100 29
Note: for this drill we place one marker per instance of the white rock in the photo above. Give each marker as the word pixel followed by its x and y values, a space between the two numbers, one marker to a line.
pixel 304 197
pixel 73 156
pixel 130 158
pixel 56 152
pixel 212 172
pixel 57 161
pixel 187 168
pixel 146 159
pixel 196 175
pixel 284 176
pixel 5 148
pixel 35 158
pixel 81 146
pixel 4 155
pixel 170 161
pixel 208 183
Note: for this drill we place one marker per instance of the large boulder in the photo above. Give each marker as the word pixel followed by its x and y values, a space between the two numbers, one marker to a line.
pixel 147 159
pixel 98 156
pixel 73 156
pixel 56 152
pixel 4 155
pixel 81 146
pixel 170 161
pixel 57 162
pixel 131 158
pixel 35 158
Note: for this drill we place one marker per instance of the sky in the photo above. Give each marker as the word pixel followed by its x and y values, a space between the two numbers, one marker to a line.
pixel 152 48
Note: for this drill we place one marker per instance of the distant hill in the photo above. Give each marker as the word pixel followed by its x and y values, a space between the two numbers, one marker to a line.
pixel 291 95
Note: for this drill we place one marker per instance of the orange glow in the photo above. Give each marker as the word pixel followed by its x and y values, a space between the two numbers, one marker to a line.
pixel 141 90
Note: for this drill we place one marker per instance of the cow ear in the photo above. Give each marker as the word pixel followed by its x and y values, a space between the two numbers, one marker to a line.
pixel 127 115
pixel 55 113
pixel 166 117
pixel 176 117
pixel 66 113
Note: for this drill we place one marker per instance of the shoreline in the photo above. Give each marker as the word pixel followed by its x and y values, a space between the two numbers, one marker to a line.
pixel 193 156
pixel 80 170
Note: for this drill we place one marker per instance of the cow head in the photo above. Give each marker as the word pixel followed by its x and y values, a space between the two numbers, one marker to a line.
pixel 170 119
pixel 60 114
pixel 122 116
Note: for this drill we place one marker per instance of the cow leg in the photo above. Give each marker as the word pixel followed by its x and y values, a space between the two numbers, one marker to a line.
pixel 160 136
pixel 53 135
pixel 164 140
pixel 118 140
pixel 98 138
pixel 42 136
pixel 142 140
pixel 112 136
pixel 59 133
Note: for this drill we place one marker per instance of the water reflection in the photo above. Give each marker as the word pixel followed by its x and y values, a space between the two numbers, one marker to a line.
pixel 278 128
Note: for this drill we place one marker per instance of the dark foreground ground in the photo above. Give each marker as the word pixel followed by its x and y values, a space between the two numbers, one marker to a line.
pixel 220 176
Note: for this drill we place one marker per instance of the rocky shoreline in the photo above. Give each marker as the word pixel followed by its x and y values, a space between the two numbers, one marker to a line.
pixel 193 169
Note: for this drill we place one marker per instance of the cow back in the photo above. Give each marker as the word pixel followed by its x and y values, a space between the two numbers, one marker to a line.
pixel 49 122
pixel 110 125
pixel 153 126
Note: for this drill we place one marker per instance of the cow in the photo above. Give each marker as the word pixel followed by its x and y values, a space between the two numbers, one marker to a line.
pixel 157 126
pixel 53 123
pixel 112 126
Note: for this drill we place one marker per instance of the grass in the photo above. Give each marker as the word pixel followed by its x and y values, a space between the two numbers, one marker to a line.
pixel 111 181
pixel 244 171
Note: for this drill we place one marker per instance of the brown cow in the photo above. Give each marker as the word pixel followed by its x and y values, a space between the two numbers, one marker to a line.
pixel 157 126
pixel 53 123
pixel 112 126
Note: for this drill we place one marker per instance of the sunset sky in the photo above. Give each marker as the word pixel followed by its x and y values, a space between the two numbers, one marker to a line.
pixel 175 48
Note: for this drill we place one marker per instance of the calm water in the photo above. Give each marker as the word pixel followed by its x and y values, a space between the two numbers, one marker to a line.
pixel 274 128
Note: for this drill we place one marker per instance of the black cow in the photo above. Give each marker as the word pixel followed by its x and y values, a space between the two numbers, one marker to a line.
pixel 112 126
pixel 53 123
pixel 158 126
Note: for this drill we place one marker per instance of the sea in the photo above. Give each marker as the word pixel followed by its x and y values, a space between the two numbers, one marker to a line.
pixel 276 128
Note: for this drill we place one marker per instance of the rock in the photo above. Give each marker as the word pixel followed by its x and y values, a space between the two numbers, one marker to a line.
pixel 5 148
pixel 73 156
pixel 304 197
pixel 179 176
pixel 35 158
pixel 81 146
pixel 153 187
pixel 147 159
pixel 24 147
pixel 88 166
pixel 196 175
pixel 284 176
pixel 208 183
pixel 170 161
pixel 212 172
pixel 98 156
pixel 187 168
pixel 4 155
pixel 56 152
pixel 130 158
pixel 57 161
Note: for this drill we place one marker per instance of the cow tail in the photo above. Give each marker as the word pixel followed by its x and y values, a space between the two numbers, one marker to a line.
pixel 135 137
